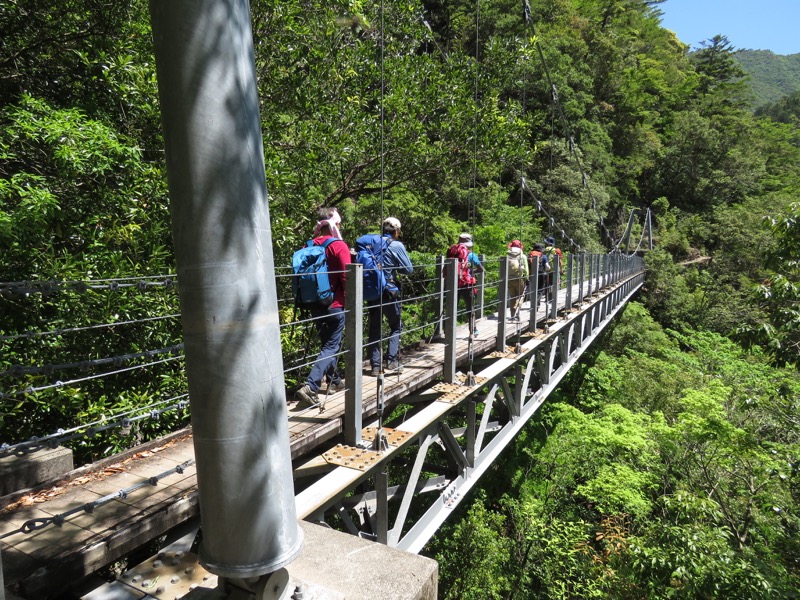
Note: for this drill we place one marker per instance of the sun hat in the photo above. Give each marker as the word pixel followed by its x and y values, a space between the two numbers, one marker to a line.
pixel 391 223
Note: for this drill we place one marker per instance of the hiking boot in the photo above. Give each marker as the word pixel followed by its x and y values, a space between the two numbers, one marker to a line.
pixel 336 387
pixel 375 371
pixel 394 365
pixel 306 397
pixel 475 332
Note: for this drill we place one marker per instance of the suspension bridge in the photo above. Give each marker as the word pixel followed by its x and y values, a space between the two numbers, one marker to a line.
pixel 386 459
pixel 438 425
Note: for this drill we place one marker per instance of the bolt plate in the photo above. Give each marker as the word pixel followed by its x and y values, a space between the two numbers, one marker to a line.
pixel 453 393
pixel 348 456
pixel 393 436
pixel 170 575
pixel 509 352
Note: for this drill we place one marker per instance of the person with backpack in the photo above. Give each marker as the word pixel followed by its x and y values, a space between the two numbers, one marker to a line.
pixel 468 266
pixel 538 255
pixel 517 277
pixel 555 258
pixel 384 256
pixel 325 302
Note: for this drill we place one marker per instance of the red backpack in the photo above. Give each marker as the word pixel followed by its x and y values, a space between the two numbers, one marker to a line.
pixel 461 252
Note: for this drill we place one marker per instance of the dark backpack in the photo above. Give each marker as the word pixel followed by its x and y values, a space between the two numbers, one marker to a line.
pixel 371 253
pixel 544 262
pixel 461 252
pixel 311 285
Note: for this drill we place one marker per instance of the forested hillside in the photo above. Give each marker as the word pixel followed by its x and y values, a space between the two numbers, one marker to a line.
pixel 772 76
pixel 668 466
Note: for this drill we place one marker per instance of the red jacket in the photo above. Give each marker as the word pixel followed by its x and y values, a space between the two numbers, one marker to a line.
pixel 338 256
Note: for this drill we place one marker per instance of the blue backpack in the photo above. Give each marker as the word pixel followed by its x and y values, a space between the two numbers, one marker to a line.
pixel 311 285
pixel 370 252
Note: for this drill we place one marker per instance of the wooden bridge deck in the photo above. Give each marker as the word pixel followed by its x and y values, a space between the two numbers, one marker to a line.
pixel 43 562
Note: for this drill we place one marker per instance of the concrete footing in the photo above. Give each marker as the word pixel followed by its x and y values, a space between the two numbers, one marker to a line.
pixel 339 566
pixel 21 471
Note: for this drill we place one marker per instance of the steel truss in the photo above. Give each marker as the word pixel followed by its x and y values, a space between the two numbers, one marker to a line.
pixel 455 433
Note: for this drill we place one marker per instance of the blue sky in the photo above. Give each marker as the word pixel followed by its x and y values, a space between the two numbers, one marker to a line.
pixel 752 24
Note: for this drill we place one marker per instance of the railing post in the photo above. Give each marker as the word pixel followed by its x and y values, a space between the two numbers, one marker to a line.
pixel 554 291
pixel 590 278
pixel 533 286
pixel 500 344
pixel 451 312
pixel 568 301
pixel 440 296
pixel 354 341
pixel 597 283
pixel 581 275
pixel 481 285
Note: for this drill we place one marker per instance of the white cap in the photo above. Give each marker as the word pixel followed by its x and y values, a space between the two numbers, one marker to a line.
pixel 466 239
pixel 391 223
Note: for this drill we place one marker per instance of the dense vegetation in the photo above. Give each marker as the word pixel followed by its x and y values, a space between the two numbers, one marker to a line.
pixel 686 417
pixel 772 76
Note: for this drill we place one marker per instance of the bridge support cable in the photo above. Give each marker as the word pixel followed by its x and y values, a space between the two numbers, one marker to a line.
pixel 223 244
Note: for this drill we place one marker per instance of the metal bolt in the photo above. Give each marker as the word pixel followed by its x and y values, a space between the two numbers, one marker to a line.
pixel 174 579
pixel 160 590
pixel 136 578
pixel 147 583
pixel 157 564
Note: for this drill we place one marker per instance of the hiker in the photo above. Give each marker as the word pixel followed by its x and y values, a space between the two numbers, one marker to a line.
pixel 538 255
pixel 555 258
pixel 330 326
pixel 517 277
pixel 468 266
pixel 383 293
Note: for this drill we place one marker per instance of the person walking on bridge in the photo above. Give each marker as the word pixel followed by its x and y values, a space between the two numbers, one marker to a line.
pixel 394 260
pixel 538 255
pixel 329 321
pixel 554 257
pixel 517 277
pixel 468 266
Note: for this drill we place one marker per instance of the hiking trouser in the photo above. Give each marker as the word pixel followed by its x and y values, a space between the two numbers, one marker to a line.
pixel 391 309
pixel 330 329
pixel 468 294
pixel 516 288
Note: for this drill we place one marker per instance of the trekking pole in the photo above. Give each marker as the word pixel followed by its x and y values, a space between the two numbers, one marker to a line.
pixel 380 443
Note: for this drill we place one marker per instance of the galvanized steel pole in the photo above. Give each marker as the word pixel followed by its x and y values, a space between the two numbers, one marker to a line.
pixel 502 292
pixel 223 247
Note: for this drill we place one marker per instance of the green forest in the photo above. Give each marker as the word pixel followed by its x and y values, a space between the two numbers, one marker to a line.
pixel 666 466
